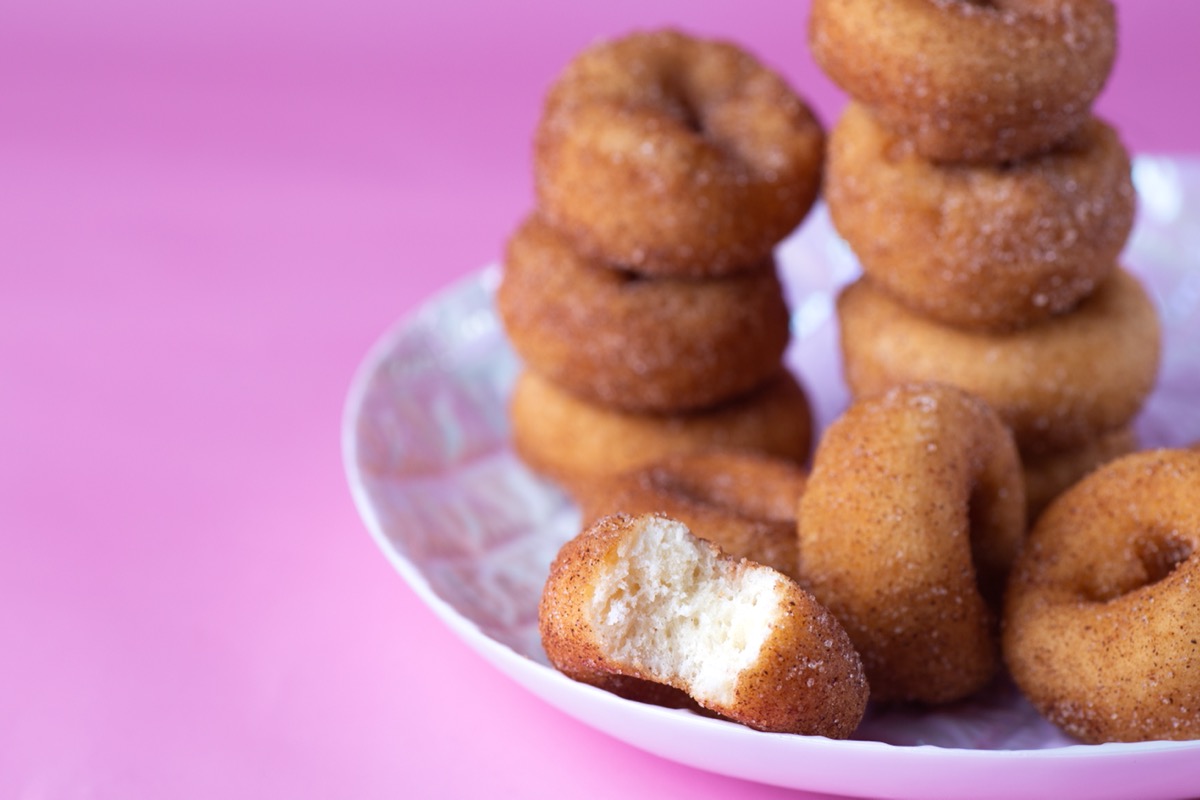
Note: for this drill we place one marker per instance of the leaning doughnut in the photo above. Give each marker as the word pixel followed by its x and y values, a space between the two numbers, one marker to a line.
pixel 913 513
pixel 642 597
pixel 1058 384
pixel 969 80
pixel 1047 475
pixel 673 155
pixel 1102 616
pixel 981 246
pixel 642 345
pixel 569 440
pixel 743 502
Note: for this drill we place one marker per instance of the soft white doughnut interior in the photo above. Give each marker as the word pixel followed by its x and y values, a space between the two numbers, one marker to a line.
pixel 667 605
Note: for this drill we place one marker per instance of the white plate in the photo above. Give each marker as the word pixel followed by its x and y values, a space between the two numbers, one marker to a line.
pixel 472 531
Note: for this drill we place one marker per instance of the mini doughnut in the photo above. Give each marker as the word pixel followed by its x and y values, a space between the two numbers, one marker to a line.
pixel 569 440
pixel 743 502
pixel 1058 384
pixel 981 246
pixel 913 514
pixel 969 80
pixel 1048 475
pixel 642 597
pixel 616 339
pixel 1102 615
pixel 672 155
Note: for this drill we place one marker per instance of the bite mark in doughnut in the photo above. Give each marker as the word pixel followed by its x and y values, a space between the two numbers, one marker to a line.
pixel 969 81
pixel 1058 384
pixel 642 597
pixel 571 440
pixel 619 340
pixel 1102 615
pixel 672 155
pixel 913 513
pixel 743 502
pixel 981 246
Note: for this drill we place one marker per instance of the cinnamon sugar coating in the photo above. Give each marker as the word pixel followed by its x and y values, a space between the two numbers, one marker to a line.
pixel 620 340
pixel 571 440
pixel 1102 617
pixel 672 155
pixel 969 81
pixel 984 246
pixel 1058 384
pixel 913 513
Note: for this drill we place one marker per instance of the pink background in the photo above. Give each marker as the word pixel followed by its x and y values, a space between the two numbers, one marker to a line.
pixel 208 212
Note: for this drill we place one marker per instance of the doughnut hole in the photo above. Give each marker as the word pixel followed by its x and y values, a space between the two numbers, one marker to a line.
pixel 667 605
pixel 1161 553
pixel 1152 557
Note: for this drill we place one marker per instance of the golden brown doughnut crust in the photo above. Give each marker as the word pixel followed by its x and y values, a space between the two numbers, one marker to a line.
pixel 743 502
pixel 568 439
pixel 1057 384
pixel 808 678
pixel 672 155
pixel 1047 475
pixel 620 340
pixel 981 246
pixel 913 513
pixel 1102 616
pixel 969 81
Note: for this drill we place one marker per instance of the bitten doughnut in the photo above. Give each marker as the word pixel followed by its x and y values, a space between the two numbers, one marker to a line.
pixel 568 439
pixel 1049 474
pixel 1102 615
pixel 913 514
pixel 981 246
pixel 642 345
pixel 642 597
pixel 672 155
pixel 969 80
pixel 743 502
pixel 1058 384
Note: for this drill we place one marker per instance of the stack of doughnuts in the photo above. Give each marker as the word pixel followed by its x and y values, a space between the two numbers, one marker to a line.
pixel 988 207
pixel 641 294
